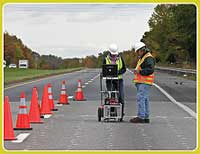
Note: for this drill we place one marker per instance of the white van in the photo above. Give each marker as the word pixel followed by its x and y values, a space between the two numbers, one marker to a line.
pixel 23 63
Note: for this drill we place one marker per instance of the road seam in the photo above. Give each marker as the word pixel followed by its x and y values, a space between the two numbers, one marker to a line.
pixel 185 108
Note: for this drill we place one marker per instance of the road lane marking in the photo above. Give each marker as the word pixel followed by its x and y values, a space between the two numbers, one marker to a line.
pixel 70 97
pixel 22 84
pixel 184 107
pixel 58 105
pixel 29 82
pixel 21 137
pixel 46 116
pixel 83 86
pixel 86 83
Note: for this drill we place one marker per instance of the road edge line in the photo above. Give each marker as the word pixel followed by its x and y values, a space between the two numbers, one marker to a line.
pixel 34 80
pixel 184 107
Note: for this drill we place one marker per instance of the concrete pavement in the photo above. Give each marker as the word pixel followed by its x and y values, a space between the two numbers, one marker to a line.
pixel 75 126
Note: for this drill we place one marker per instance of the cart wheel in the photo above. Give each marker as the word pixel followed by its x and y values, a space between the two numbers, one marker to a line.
pixel 99 114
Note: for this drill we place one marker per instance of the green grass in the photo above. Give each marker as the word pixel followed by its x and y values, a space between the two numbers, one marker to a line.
pixel 12 75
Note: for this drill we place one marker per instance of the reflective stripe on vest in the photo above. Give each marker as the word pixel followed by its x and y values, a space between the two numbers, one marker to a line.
pixel 138 78
pixel 118 62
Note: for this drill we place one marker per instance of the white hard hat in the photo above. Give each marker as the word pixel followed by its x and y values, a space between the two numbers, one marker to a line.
pixel 113 49
pixel 138 46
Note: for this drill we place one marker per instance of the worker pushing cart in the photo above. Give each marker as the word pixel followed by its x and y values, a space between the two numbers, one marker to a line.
pixel 112 99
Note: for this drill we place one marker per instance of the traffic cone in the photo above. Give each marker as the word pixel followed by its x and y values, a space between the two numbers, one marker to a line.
pixel 79 93
pixel 63 95
pixel 45 107
pixel 8 126
pixel 50 98
pixel 34 113
pixel 23 122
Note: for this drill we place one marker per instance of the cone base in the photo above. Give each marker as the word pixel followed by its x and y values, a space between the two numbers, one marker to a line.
pixel 54 109
pixel 23 128
pixel 80 100
pixel 63 103
pixel 10 139
pixel 45 113
pixel 39 122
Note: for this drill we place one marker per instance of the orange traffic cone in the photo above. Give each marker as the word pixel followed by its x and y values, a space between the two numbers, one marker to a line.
pixel 50 98
pixel 45 107
pixel 79 93
pixel 63 95
pixel 34 113
pixel 8 126
pixel 23 122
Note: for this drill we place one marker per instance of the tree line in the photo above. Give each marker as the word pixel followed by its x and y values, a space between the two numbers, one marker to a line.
pixel 171 39
pixel 172 35
pixel 14 50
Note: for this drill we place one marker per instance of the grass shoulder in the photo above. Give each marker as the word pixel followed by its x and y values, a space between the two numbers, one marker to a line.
pixel 13 75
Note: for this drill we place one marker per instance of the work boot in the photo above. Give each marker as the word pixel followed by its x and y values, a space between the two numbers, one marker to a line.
pixel 137 120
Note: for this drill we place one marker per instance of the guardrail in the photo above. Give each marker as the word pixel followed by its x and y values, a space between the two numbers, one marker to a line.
pixel 176 70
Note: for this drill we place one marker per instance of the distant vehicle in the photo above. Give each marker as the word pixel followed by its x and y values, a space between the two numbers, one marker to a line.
pixel 23 63
pixel 12 66
pixel 4 63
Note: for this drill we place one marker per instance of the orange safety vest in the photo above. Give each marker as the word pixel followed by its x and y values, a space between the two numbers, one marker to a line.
pixel 138 78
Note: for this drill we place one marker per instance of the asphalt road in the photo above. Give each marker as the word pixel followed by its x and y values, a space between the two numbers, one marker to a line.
pixel 75 126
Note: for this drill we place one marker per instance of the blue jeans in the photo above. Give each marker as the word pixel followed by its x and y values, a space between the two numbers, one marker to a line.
pixel 143 100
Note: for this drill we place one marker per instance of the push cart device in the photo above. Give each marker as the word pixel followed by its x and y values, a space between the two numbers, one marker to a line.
pixel 111 107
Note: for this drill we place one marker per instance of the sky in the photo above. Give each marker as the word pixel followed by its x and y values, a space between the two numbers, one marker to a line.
pixel 77 30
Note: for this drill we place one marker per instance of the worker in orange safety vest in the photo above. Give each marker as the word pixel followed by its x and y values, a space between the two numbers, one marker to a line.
pixel 143 79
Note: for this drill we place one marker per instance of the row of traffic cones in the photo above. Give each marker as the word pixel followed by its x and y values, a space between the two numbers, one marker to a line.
pixel 47 106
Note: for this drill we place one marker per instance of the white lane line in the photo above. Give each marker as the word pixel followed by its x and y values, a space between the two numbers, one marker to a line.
pixel 21 84
pixel 21 137
pixel 185 108
pixel 83 86
pixel 70 97
pixel 86 83
pixel 58 105
pixel 46 116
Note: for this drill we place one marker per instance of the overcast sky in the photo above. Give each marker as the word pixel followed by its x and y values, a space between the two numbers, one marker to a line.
pixel 77 30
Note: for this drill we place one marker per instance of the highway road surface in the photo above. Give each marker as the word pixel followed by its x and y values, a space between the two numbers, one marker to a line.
pixel 75 126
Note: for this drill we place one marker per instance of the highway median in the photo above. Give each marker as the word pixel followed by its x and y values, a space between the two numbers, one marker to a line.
pixel 16 75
